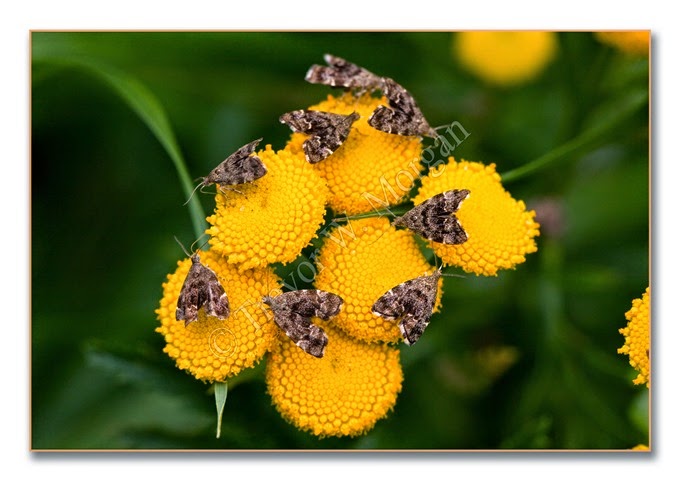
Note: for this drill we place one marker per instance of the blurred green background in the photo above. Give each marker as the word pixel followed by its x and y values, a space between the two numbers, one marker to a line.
pixel 525 360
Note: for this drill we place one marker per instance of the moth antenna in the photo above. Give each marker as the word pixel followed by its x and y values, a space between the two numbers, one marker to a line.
pixel 223 190
pixel 443 274
pixel 202 184
pixel 201 246
pixel 454 275
pixel 182 246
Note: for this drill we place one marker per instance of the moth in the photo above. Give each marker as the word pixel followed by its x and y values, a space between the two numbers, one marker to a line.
pixel 341 73
pixel 412 302
pixel 239 168
pixel 201 289
pixel 293 311
pixel 327 131
pixel 434 219
pixel 403 116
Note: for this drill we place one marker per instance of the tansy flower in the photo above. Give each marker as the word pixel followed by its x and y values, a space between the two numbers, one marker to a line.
pixel 360 262
pixel 505 58
pixel 634 43
pixel 500 229
pixel 343 393
pixel 209 348
pixel 637 338
pixel 641 447
pixel 371 169
pixel 272 219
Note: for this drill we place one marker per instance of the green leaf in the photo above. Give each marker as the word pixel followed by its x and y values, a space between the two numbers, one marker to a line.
pixel 221 389
pixel 147 107
pixel 594 136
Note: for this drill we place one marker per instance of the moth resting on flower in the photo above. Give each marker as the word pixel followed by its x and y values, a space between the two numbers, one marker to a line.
pixel 201 290
pixel 293 312
pixel 434 219
pixel 341 73
pixel 238 168
pixel 412 302
pixel 327 131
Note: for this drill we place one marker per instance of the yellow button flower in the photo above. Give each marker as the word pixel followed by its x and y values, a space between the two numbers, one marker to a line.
pixel 360 262
pixel 272 219
pixel 371 169
pixel 211 349
pixel 637 338
pixel 505 58
pixel 500 229
pixel 634 42
pixel 343 393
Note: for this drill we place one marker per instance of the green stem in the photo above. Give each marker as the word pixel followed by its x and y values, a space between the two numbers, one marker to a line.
pixel 588 139
pixel 395 211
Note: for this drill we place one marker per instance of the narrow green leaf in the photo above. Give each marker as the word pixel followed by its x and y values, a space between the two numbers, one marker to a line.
pixel 589 139
pixel 221 389
pixel 145 104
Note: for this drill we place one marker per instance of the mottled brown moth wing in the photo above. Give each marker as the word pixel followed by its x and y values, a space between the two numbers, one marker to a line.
pixel 293 312
pixel 327 131
pixel 412 302
pixel 403 116
pixel 343 74
pixel 434 219
pixel 201 289
pixel 240 167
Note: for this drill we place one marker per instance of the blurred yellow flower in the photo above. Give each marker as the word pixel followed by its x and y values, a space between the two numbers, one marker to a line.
pixel 343 393
pixel 641 447
pixel 633 42
pixel 272 219
pixel 636 333
pixel 371 169
pixel 503 57
pixel 212 349
pixel 360 262
pixel 500 229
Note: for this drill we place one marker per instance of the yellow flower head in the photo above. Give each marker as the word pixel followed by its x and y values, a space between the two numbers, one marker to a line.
pixel 272 219
pixel 634 43
pixel 500 229
pixel 212 349
pixel 343 393
pixel 640 447
pixel 637 338
pixel 371 169
pixel 505 58
pixel 362 261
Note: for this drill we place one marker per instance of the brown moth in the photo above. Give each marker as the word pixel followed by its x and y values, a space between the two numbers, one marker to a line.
pixel 412 302
pixel 327 131
pixel 434 219
pixel 403 116
pixel 201 290
pixel 293 312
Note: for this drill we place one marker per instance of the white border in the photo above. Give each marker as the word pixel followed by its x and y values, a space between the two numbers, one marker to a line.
pixel 21 17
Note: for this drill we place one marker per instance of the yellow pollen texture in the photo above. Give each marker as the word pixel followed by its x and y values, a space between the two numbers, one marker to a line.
pixel 361 261
pixel 371 169
pixel 342 394
pixel 505 58
pixel 209 348
pixel 500 229
pixel 636 333
pixel 272 219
